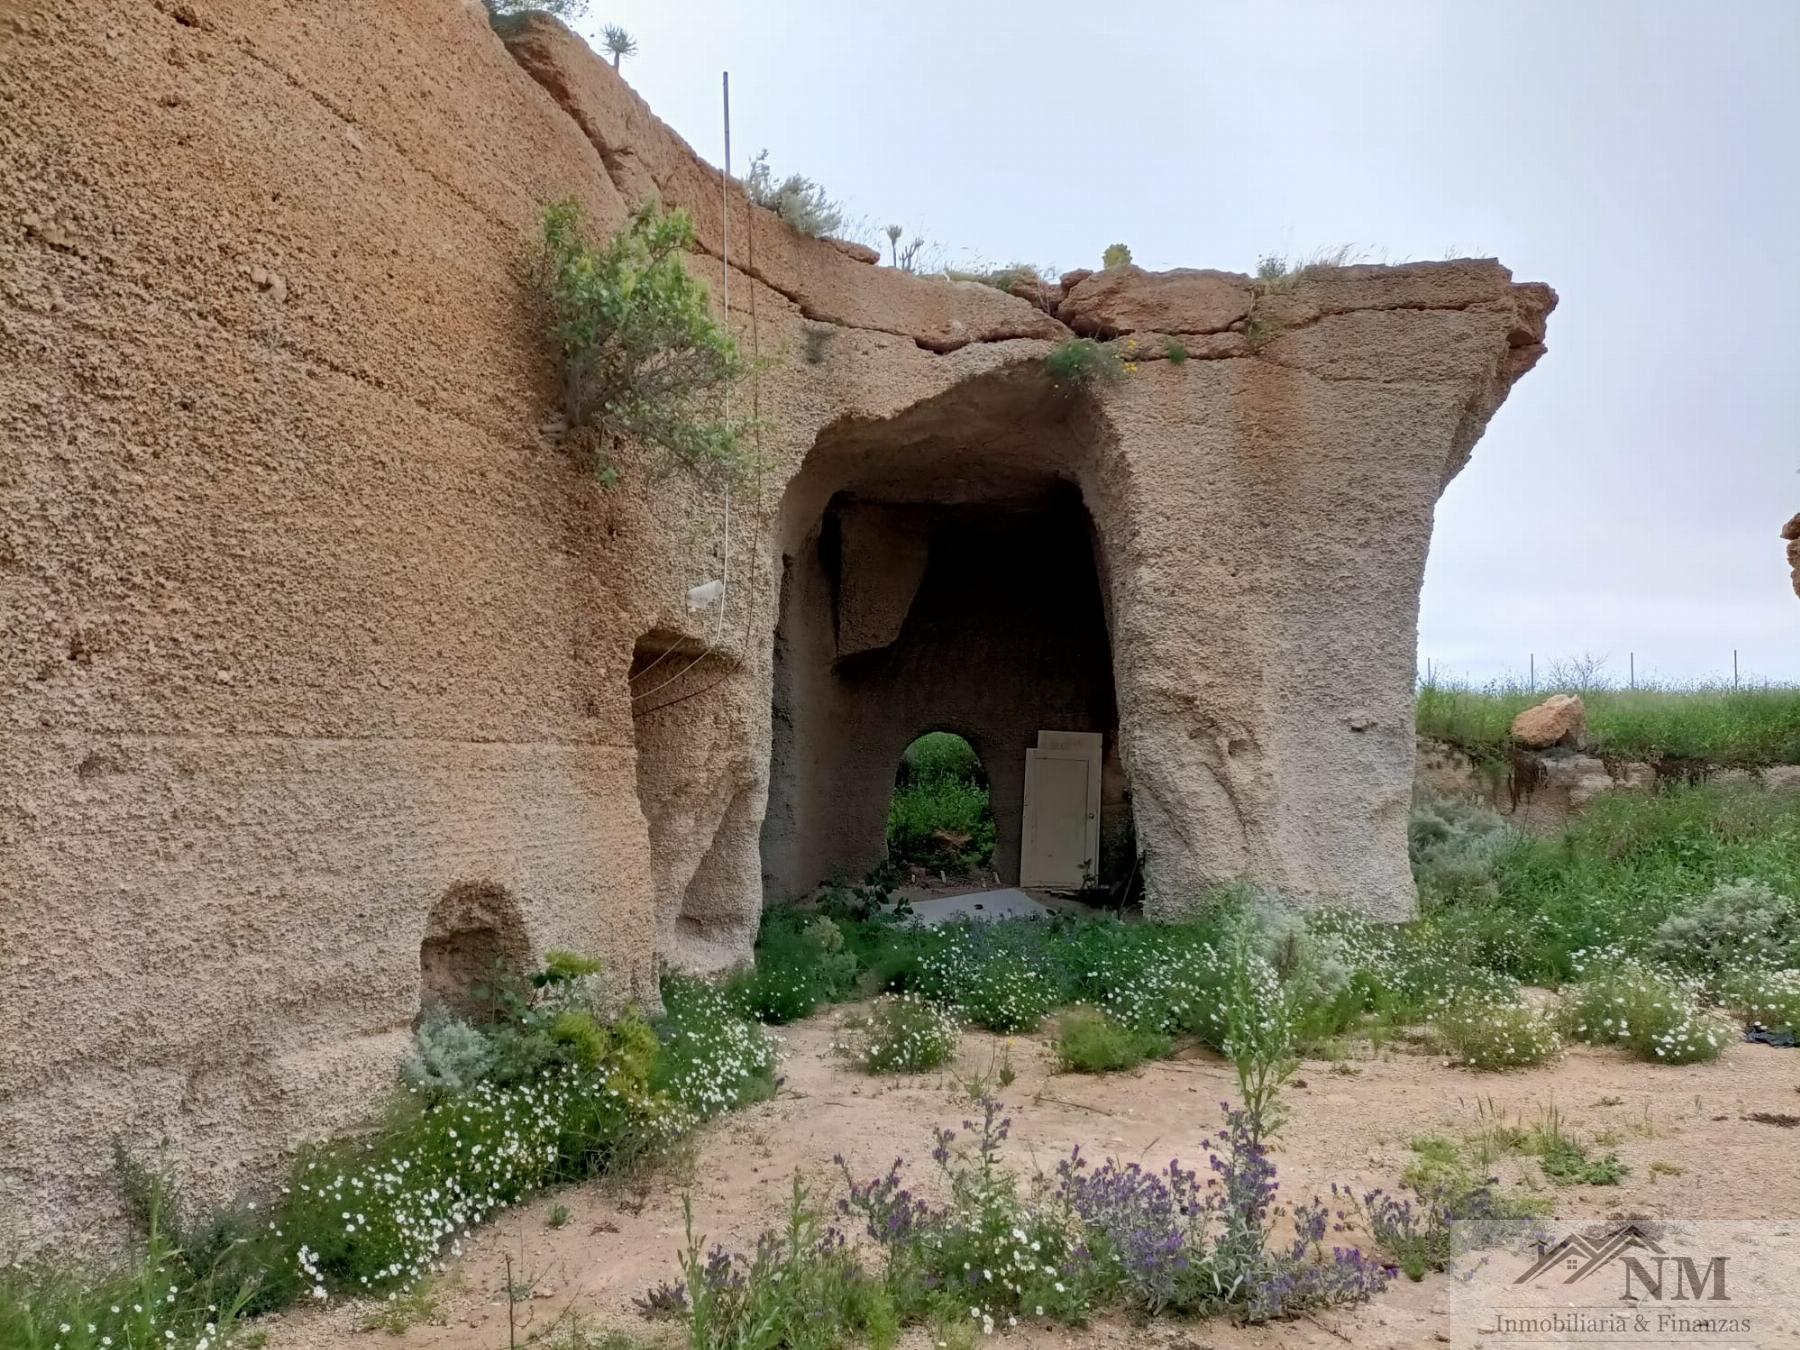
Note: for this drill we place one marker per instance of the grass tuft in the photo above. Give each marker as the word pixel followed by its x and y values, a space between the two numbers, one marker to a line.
pixel 1089 1040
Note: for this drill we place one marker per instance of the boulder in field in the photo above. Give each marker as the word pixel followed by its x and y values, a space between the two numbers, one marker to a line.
pixel 1560 719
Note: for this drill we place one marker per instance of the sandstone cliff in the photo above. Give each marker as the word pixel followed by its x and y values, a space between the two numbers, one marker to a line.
pixel 329 673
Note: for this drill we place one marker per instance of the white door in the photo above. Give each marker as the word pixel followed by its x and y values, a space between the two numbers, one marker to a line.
pixel 1062 816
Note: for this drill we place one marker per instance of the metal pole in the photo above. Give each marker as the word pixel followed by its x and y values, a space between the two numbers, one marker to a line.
pixel 1632 656
pixel 1533 668
pixel 725 267
pixel 1734 677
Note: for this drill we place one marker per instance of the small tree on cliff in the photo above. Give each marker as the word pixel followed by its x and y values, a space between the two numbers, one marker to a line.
pixel 617 43
pixel 642 355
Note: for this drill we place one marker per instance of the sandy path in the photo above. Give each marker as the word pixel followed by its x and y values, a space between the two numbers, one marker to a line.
pixel 1345 1126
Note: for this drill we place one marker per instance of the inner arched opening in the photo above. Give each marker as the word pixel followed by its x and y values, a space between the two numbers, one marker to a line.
pixel 941 816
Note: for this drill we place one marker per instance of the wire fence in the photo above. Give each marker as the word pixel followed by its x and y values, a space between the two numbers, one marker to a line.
pixel 1587 672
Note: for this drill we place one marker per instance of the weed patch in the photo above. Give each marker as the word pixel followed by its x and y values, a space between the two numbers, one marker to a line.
pixel 1770 999
pixel 1482 1033
pixel 1091 1041
pixel 548 1092
pixel 1656 1017
pixel 801 1287
pixel 997 1254
pixel 1082 362
pixel 900 1033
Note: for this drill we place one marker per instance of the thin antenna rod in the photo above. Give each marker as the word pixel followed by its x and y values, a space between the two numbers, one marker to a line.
pixel 725 268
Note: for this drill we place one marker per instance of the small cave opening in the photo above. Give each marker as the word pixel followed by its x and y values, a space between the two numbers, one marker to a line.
pixel 942 572
pixel 474 936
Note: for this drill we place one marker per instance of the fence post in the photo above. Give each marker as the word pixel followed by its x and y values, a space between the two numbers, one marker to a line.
pixel 1632 657
pixel 1734 675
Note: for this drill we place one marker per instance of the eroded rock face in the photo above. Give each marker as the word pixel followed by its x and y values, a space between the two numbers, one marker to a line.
pixel 1560 719
pixel 1543 793
pixel 1130 300
pixel 330 673
pixel 1791 533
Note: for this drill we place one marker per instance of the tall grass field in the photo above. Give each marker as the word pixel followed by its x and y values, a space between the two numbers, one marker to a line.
pixel 1715 723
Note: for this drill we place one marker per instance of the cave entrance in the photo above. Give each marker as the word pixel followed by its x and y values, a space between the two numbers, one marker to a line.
pixel 940 571
pixel 941 816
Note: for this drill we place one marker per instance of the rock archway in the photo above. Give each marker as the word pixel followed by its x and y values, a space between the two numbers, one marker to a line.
pixel 940 570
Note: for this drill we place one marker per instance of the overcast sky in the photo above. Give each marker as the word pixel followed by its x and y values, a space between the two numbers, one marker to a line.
pixel 1643 158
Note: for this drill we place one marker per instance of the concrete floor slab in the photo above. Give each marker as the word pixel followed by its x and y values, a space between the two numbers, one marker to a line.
pixel 982 906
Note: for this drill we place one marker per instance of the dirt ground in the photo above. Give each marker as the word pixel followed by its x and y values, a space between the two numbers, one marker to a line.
pixel 1351 1122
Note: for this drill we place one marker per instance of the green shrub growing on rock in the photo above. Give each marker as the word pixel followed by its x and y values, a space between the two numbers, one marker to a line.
pixel 799 201
pixel 1082 362
pixel 642 356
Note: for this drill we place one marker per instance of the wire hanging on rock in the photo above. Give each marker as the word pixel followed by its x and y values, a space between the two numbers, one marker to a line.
pixel 724 582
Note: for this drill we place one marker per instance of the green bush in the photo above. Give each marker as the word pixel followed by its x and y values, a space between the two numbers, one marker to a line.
pixel 710 1059
pixel 799 201
pixel 1000 975
pixel 1500 908
pixel 1614 874
pixel 1155 979
pixel 500 11
pixel 900 1033
pixel 625 1049
pixel 1481 1032
pixel 1657 1018
pixel 1736 925
pixel 161 1294
pixel 1081 362
pixel 1090 1041
pixel 801 962
pixel 1116 255
pixel 642 355
pixel 448 1056
pixel 941 825
pixel 995 1256
pixel 564 967
pixel 1453 843
pixel 1770 998
pixel 802 1288
pixel 563 1096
